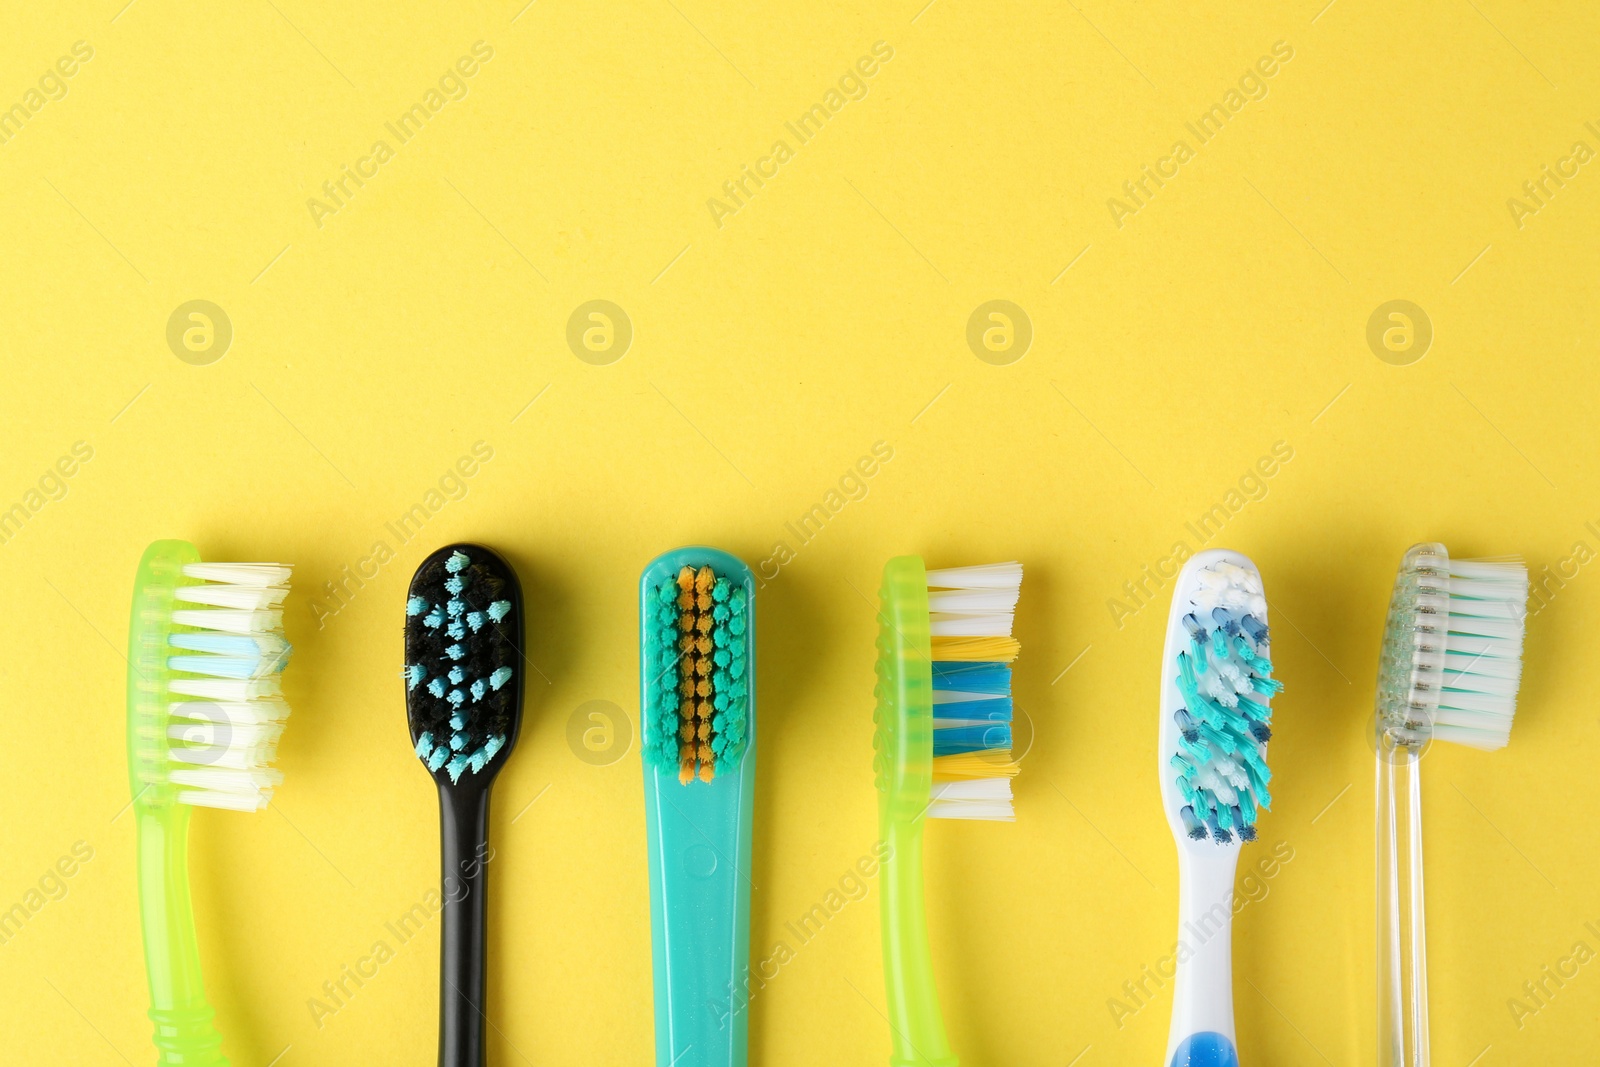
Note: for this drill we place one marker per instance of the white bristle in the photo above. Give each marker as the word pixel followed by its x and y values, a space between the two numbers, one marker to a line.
pixel 1463 648
pixel 238 597
pixel 979 798
pixel 230 622
pixel 988 576
pixel 1483 652
pixel 252 574
pixel 973 601
pixel 220 743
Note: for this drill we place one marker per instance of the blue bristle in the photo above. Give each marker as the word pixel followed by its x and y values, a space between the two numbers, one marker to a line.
pixel 416 606
pixel 455 651
pixel 455 631
pixel 457 722
pixel 440 754
pixel 997 710
pixel 456 698
pixel 1224 678
pixel 500 677
pixel 957 739
pixel 458 742
pixel 454 607
pixel 415 674
pixel 493 745
pixel 220 644
pixel 436 687
pixel 456 675
pixel 458 562
pixel 456 766
pixel 477 689
pixel 434 618
pixel 424 746
pixel 475 620
pixel 499 609
pixel 453 586
pixel 216 666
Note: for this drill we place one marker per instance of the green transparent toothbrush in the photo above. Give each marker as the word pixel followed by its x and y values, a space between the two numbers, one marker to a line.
pixel 205 647
pixel 944 643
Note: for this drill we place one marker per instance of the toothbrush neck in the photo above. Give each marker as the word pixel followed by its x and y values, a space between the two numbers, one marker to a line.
pixel 1203 991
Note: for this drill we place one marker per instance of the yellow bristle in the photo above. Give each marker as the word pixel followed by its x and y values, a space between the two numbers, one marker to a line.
pixel 965 766
pixel 976 649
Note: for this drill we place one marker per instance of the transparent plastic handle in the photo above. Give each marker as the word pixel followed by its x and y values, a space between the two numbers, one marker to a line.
pixel 1402 930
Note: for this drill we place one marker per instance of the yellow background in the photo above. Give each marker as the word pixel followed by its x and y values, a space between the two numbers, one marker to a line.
pixel 768 356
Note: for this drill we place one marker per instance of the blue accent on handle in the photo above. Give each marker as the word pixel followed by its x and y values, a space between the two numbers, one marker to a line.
pixel 1205 1050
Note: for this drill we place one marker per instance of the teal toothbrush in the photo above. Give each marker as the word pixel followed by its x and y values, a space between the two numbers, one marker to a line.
pixel 697 693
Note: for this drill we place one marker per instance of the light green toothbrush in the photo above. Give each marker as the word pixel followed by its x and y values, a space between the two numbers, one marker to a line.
pixel 205 647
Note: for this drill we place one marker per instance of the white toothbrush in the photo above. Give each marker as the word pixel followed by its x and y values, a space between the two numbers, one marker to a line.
pixel 1451 664
pixel 1216 685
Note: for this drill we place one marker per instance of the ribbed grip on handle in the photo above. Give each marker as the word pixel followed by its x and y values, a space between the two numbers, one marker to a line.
pixel 1402 927
pixel 185 1037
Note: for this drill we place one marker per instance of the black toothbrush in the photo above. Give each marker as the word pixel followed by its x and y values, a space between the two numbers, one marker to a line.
pixel 463 677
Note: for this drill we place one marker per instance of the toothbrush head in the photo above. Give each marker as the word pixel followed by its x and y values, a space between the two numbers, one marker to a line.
pixel 205 709
pixel 1452 651
pixel 464 662
pixel 944 707
pixel 698 663
pixel 1216 693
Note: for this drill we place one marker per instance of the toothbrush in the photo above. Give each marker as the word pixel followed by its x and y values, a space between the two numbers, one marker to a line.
pixel 1450 667
pixel 697 675
pixel 205 646
pixel 942 749
pixel 1216 688
pixel 464 691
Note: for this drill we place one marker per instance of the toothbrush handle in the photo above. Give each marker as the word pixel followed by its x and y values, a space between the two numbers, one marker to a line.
pixel 915 1022
pixel 463 956
pixel 184 1034
pixel 1402 931
pixel 1202 1033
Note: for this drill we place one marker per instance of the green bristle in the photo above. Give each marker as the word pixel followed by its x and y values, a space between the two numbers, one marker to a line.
pixel 729 686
